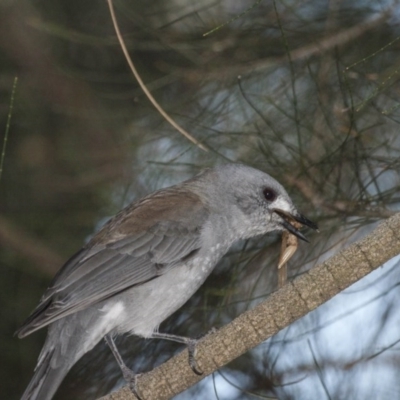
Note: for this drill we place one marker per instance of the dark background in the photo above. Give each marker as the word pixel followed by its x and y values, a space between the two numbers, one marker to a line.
pixel 316 106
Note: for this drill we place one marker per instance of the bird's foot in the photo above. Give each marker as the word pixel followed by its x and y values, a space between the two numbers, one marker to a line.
pixel 131 379
pixel 190 343
pixel 129 376
pixel 191 346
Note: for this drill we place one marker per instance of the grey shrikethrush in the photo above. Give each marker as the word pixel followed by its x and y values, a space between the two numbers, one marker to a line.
pixel 147 261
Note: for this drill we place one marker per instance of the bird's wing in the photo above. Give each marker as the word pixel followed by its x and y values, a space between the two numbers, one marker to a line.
pixel 141 243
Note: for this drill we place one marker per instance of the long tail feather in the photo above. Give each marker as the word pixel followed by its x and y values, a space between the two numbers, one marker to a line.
pixel 46 380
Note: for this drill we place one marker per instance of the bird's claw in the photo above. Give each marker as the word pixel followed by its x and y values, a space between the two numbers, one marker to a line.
pixel 134 386
pixel 192 351
pixel 131 379
pixel 134 390
pixel 192 356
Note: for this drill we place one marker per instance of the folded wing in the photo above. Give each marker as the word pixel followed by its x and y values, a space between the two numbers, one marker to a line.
pixel 141 243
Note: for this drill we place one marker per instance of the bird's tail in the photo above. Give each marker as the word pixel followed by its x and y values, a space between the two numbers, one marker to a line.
pixel 46 379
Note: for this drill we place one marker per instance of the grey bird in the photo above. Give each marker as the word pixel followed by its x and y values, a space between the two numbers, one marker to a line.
pixel 147 261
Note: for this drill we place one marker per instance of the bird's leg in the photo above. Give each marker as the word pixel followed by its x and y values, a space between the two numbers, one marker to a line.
pixel 189 342
pixel 129 376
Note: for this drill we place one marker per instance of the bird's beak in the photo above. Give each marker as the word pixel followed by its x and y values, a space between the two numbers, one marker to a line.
pixel 301 219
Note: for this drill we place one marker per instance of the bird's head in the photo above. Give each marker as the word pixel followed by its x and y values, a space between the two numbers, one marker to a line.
pixel 254 201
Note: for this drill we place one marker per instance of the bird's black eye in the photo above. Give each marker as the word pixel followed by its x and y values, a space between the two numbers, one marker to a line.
pixel 269 194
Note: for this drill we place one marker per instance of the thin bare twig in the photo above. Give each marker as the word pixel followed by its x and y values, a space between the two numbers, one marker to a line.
pixel 236 17
pixel 317 48
pixel 3 151
pixel 143 86
pixel 342 206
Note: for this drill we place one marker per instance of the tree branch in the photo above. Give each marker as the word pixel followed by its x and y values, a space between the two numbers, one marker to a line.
pixel 282 308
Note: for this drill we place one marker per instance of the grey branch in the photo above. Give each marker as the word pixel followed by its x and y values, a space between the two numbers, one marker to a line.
pixel 283 307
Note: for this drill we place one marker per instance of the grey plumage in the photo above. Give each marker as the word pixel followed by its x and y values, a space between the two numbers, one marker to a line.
pixel 147 262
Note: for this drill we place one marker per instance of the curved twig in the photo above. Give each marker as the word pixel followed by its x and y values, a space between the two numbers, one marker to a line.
pixel 143 86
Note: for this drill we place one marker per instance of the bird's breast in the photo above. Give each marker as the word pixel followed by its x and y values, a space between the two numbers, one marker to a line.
pixel 149 304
